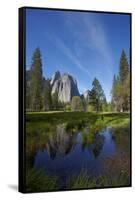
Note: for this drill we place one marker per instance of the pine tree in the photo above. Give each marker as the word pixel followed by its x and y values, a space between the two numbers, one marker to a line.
pixel 55 102
pixel 28 84
pixel 123 69
pixel 121 86
pixel 117 94
pixel 47 96
pixel 36 81
pixel 113 92
pixel 97 96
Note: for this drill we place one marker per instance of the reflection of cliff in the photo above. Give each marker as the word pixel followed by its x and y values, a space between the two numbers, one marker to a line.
pixel 61 143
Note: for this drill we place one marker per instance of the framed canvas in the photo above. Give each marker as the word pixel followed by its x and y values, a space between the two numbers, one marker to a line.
pixel 74 99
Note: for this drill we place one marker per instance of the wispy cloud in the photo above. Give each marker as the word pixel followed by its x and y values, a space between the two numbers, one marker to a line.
pixel 59 43
pixel 89 32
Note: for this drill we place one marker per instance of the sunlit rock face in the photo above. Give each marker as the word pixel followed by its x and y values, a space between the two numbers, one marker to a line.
pixel 56 76
pixel 65 85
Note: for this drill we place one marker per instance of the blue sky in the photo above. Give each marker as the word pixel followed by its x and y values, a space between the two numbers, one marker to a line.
pixel 86 45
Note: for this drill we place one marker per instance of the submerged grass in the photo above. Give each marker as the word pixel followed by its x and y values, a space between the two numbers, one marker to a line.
pixel 37 181
pixel 84 180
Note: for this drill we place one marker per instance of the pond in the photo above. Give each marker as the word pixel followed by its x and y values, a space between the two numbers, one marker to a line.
pixel 65 153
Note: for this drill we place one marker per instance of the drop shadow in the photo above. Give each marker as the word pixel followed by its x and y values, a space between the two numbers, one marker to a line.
pixel 13 187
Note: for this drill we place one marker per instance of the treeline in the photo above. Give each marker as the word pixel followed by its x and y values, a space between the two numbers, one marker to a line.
pixel 121 85
pixel 39 97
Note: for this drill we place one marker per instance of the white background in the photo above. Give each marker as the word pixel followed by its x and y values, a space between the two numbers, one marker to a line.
pixel 9 98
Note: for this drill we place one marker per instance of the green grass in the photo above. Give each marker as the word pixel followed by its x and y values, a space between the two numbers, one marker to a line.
pixel 113 120
pixel 83 180
pixel 75 117
pixel 115 175
pixel 37 181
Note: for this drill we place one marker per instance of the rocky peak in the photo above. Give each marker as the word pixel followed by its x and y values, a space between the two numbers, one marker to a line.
pixel 66 86
pixel 56 76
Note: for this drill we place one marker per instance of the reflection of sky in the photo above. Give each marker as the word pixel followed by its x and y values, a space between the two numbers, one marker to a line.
pixel 86 45
pixel 109 145
pixel 77 158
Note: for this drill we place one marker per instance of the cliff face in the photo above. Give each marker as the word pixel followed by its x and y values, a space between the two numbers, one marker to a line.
pixel 65 86
pixel 56 76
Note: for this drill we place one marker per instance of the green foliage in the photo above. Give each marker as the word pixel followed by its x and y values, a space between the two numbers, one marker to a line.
pixel 76 104
pixel 107 107
pixel 85 180
pixel 97 96
pixel 80 181
pixel 68 107
pixel 47 96
pixel 37 181
pixel 123 68
pixel 84 104
pixel 121 86
pixel 90 108
pixel 28 94
pixel 73 119
pixel 55 102
pixel 36 82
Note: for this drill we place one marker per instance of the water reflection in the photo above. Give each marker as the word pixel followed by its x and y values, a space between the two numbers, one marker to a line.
pixel 60 143
pixel 93 141
pixel 98 144
pixel 65 152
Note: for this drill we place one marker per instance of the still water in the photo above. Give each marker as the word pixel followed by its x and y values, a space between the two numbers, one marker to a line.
pixel 65 153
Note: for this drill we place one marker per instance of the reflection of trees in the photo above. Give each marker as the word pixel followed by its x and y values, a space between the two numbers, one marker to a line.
pixel 93 141
pixel 34 141
pixel 60 143
pixel 30 154
pixel 98 144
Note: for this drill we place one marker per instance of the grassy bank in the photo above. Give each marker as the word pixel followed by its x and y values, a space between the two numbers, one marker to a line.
pixel 78 119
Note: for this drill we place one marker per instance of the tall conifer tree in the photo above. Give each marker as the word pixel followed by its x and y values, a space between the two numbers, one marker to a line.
pixel 123 69
pixel 121 86
pixel 47 96
pixel 36 81
pixel 97 98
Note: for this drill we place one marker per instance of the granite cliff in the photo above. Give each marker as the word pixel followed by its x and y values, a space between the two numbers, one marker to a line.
pixel 65 86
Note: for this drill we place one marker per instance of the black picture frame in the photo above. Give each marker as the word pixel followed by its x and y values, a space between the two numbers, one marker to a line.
pixel 22 95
